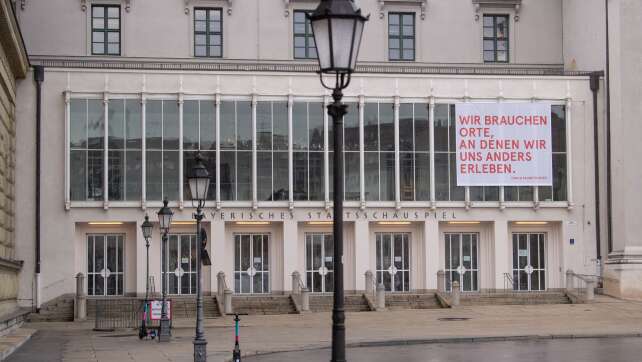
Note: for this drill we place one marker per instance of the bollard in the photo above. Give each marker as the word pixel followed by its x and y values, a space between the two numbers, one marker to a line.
pixel 590 289
pixel 456 294
pixel 296 283
pixel 305 300
pixel 441 281
pixel 80 302
pixel 228 301
pixel 569 280
pixel 369 283
pixel 381 297
pixel 220 283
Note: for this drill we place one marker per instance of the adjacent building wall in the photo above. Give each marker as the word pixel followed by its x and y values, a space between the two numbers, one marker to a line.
pixel 13 65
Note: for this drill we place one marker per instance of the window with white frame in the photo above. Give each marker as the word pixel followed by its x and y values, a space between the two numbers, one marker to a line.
pixel 309 146
pixel 125 150
pixel 272 143
pixel 86 145
pixel 162 150
pixel 446 188
pixel 351 155
pixel 414 152
pixel 379 151
pixel 236 150
pixel 199 136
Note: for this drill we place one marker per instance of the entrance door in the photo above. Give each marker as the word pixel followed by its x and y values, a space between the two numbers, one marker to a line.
pixel 461 261
pixel 529 261
pixel 393 261
pixel 105 264
pixel 251 263
pixel 319 253
pixel 179 264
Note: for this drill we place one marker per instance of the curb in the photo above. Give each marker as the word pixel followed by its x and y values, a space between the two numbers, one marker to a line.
pixel 411 342
pixel 14 342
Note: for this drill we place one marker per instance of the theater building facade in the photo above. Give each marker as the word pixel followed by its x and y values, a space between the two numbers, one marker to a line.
pixel 122 123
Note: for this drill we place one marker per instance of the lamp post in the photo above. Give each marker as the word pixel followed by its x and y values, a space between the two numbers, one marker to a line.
pixel 165 219
pixel 199 182
pixel 146 227
pixel 337 26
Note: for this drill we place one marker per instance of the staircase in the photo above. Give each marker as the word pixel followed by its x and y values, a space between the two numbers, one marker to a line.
pixel 59 309
pixel 185 307
pixel 263 304
pixel 515 298
pixel 352 303
pixel 396 301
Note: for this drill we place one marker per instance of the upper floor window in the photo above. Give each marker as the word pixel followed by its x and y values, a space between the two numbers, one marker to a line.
pixel 208 32
pixel 496 38
pixel 304 47
pixel 105 30
pixel 401 36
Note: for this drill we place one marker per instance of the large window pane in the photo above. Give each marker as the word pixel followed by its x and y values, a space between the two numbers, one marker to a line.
pixel 199 132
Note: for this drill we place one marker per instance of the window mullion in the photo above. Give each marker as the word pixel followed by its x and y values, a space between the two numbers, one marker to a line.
pixel 105 151
pixel 181 164
pixel 431 138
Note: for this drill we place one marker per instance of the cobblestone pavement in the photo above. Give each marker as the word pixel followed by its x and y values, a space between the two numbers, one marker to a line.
pixel 261 334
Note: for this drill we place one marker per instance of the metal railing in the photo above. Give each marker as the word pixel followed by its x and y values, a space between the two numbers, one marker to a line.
pixel 117 313
pixel 509 283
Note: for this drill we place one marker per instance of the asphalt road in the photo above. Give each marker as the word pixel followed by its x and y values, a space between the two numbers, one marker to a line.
pixel 551 350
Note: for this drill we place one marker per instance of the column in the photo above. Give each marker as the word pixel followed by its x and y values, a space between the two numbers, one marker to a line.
pixel 141 259
pixel 501 244
pixel 218 254
pixel 361 253
pixel 431 253
pixel 290 253
pixel 623 269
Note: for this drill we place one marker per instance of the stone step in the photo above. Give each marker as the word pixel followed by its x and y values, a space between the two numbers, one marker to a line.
pixel 515 299
pixel 276 304
pixel 411 301
pixel 352 303
pixel 59 309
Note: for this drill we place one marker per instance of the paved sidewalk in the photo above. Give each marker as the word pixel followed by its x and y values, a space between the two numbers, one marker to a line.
pixel 260 334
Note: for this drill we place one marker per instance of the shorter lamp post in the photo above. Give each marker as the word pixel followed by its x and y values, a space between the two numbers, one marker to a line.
pixel 146 227
pixel 337 26
pixel 165 219
pixel 199 182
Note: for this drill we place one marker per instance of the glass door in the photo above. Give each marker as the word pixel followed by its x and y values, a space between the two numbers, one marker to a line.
pixel 251 263
pixel 179 264
pixel 462 261
pixel 105 264
pixel 529 261
pixel 393 261
pixel 319 253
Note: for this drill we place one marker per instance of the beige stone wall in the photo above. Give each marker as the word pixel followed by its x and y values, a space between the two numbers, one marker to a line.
pixel 13 64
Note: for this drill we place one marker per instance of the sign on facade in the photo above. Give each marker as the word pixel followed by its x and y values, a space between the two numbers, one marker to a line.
pixel 504 144
pixel 157 309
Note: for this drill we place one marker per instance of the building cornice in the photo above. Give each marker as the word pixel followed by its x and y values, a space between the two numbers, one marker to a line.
pixel 300 67
pixel 11 40
pixel 8 264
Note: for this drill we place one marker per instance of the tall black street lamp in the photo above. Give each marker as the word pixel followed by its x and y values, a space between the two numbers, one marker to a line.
pixel 146 227
pixel 199 183
pixel 337 26
pixel 165 219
